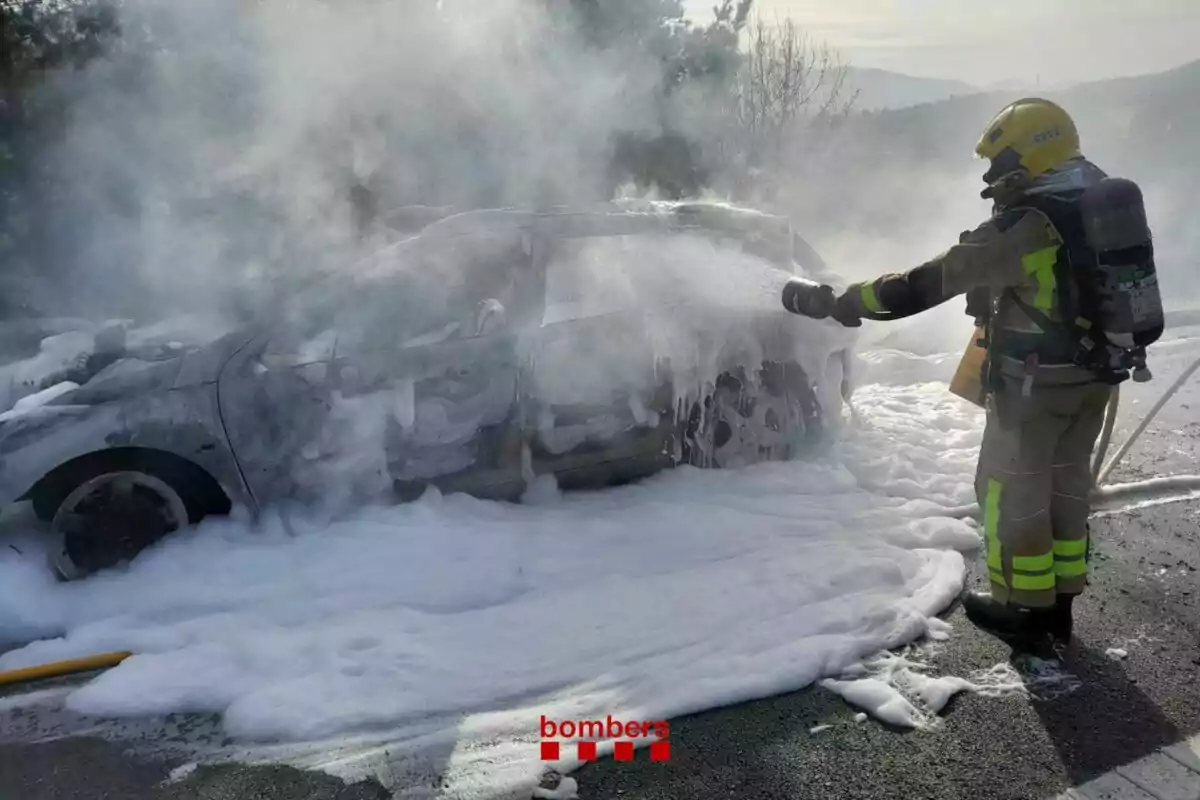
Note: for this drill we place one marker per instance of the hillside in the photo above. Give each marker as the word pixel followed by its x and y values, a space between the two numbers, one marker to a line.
pixel 1144 123
pixel 879 89
pixel 1180 80
pixel 910 172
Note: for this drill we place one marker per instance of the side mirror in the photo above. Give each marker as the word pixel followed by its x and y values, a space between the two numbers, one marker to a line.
pixel 490 317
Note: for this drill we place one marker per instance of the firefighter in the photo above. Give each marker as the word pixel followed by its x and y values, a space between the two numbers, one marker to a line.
pixel 1045 404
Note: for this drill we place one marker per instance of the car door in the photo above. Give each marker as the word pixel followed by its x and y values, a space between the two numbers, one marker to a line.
pixel 414 384
pixel 595 410
pixel 426 368
pixel 432 413
pixel 275 399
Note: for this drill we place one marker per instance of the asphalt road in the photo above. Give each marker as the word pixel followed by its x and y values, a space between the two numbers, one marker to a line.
pixel 1145 599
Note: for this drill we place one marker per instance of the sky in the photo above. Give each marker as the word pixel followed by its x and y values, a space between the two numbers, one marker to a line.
pixel 986 42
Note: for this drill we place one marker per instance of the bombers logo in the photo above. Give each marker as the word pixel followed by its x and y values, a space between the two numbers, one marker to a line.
pixel 609 728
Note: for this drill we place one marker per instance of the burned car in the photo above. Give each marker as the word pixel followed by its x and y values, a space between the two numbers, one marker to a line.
pixel 598 346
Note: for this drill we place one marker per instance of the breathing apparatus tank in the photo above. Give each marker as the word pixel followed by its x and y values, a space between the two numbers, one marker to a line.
pixel 1125 307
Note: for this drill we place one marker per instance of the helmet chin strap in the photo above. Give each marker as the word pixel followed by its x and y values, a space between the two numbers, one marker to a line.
pixel 1018 182
pixel 1006 187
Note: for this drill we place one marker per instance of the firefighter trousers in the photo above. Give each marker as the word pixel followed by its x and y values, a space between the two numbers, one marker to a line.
pixel 1034 483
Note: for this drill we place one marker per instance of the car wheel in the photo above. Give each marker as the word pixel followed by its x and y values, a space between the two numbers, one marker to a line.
pixel 740 422
pixel 110 518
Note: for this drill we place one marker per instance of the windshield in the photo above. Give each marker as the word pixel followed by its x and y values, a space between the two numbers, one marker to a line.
pixel 410 291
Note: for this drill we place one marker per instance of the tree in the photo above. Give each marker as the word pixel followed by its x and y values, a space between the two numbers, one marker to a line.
pixel 252 141
pixel 788 89
pixel 740 100
pixel 786 79
pixel 37 39
pixel 697 65
pixel 37 36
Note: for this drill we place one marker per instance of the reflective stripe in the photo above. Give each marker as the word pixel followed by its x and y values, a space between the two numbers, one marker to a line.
pixel 1033 573
pixel 1071 569
pixel 1070 547
pixel 1033 583
pixel 1026 583
pixel 1040 264
pixel 991 523
pixel 1029 573
pixel 1034 564
pixel 869 300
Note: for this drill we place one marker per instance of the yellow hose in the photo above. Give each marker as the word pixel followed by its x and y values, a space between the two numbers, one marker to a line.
pixel 58 668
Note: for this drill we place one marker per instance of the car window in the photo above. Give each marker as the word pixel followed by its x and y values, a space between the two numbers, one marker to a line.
pixel 590 276
pixel 413 296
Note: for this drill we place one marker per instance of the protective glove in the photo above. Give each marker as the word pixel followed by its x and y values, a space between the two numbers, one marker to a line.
pixel 819 302
pixel 846 311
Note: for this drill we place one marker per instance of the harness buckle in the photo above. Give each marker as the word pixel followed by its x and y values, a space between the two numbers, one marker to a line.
pixel 1031 365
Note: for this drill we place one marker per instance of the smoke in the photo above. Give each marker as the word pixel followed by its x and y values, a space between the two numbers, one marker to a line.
pixel 886 192
pixel 226 148
pixel 869 214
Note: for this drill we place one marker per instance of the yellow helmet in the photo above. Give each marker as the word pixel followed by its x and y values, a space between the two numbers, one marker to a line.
pixel 1026 139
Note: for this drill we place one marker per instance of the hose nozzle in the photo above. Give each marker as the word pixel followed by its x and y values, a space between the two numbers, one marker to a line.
pixel 809 299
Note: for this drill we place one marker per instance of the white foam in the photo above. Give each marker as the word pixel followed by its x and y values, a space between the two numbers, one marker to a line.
pixel 693 590
pixel 180 773
pixel 881 699
pixel 38 399
pixel 436 634
pixel 56 355
pixel 1040 678
pixel 895 689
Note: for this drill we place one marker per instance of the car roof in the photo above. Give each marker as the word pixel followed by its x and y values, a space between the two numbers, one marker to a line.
pixel 493 227
pixel 605 219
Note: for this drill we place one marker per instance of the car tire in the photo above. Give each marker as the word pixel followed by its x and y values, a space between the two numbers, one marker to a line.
pixel 106 513
pixel 740 422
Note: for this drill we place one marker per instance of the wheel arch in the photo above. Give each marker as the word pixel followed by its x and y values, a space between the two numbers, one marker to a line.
pixel 202 492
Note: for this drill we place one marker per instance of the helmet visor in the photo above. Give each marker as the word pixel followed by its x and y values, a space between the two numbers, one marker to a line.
pixel 1006 162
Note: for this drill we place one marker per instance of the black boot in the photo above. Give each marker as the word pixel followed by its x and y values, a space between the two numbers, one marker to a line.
pixel 1062 622
pixel 1016 624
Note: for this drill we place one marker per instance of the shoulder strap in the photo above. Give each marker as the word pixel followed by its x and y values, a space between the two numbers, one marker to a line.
pixel 1064 330
pixel 1065 290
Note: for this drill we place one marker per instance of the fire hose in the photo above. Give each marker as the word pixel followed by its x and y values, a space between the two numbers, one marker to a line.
pixel 1101 474
pixel 58 669
pixel 1168 487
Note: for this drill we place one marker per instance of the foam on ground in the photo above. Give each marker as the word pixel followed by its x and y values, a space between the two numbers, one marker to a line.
pixel 692 590
pixel 897 691
pixel 424 642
